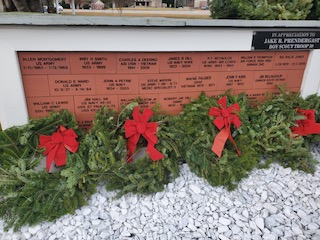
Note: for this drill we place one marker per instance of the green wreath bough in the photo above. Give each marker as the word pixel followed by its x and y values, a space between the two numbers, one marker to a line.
pixel 29 194
pixel 265 136
pixel 222 139
pixel 196 133
pixel 110 159
pixel 271 129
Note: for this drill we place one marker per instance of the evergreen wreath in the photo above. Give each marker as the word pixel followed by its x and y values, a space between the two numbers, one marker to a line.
pixel 139 152
pixel 196 132
pixel 311 102
pixel 29 195
pixel 270 128
pixel 108 157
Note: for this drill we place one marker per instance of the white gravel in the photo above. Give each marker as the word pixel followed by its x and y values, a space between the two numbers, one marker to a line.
pixel 273 203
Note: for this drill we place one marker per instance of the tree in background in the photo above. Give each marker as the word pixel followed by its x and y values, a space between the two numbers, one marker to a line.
pixel 170 3
pixel 49 3
pixel 78 3
pixel 26 5
pixel 262 9
pixel 315 11
pixel 22 5
pixel 65 4
pixel 223 9
pixel 107 3
pixel 36 5
pixel 118 4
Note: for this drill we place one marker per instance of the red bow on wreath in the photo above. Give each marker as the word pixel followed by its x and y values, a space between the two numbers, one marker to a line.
pixel 306 126
pixel 140 126
pixel 57 144
pixel 225 117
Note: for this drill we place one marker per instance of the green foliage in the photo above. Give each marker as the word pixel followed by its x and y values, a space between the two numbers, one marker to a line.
pixel 223 9
pixel 270 130
pixel 29 196
pixel 109 154
pixel 22 142
pixel 312 102
pixel 315 11
pixel 196 133
pixel 263 9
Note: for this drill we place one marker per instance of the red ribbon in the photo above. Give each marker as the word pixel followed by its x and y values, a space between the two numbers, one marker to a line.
pixel 57 144
pixel 225 117
pixel 140 126
pixel 306 126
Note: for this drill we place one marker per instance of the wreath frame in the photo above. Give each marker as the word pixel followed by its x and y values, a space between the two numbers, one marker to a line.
pixel 270 130
pixel 197 132
pixel 143 176
pixel 29 196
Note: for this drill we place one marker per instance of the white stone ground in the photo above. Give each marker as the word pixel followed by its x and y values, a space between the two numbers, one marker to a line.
pixel 276 203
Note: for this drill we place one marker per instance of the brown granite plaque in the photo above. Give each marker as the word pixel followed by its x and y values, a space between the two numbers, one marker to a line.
pixel 255 60
pixel 117 84
pixel 66 85
pixel 85 121
pixel 269 79
pixel 257 94
pixel 157 83
pixel 294 79
pixel 35 85
pixel 90 104
pixel 179 62
pixel 217 93
pixel 93 63
pixel 44 63
pixel 291 60
pixel 144 100
pixel 218 61
pixel 235 80
pixel 42 106
pixel 172 103
pixel 190 82
pixel 137 62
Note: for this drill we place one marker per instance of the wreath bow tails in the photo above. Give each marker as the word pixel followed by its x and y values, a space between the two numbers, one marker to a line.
pixel 140 126
pixel 56 145
pixel 224 118
pixel 308 125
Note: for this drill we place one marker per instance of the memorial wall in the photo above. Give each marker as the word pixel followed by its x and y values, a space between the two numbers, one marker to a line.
pixel 83 82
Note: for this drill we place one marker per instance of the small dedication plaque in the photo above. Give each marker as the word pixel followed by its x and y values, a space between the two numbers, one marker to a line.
pixel 295 40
